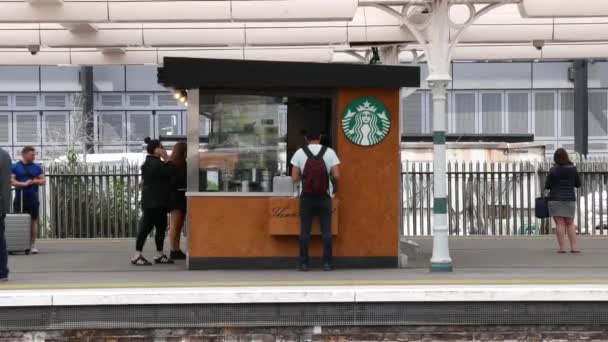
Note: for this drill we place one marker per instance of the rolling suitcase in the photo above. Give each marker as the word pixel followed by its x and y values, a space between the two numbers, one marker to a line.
pixel 18 233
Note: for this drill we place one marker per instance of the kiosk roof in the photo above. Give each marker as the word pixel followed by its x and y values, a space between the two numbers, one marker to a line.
pixel 190 73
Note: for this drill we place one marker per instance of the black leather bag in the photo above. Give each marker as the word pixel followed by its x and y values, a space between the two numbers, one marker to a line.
pixel 541 209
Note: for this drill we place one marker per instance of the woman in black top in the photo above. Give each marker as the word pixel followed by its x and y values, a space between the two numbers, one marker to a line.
pixel 156 174
pixel 177 198
pixel 561 181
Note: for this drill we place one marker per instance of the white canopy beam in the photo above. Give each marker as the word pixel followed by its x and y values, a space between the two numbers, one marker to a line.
pixel 100 11
pixel 564 8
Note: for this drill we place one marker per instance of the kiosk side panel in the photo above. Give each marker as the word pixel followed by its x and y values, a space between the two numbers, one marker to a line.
pixel 369 184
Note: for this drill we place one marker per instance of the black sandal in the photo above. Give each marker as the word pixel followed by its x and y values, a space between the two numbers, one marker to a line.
pixel 140 261
pixel 163 259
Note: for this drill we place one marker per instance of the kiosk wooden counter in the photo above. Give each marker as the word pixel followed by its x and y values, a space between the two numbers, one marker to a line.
pixel 260 230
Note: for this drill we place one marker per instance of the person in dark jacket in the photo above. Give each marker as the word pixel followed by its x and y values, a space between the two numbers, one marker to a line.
pixel 561 181
pixel 177 198
pixel 5 204
pixel 156 174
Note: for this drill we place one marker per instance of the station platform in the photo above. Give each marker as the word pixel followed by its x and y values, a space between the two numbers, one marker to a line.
pixel 477 261
pixel 495 281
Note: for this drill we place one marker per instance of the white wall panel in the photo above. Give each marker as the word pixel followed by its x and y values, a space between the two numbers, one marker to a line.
pixel 297 36
pixel 551 76
pixel 23 57
pixel 143 78
pixel 19 78
pixel 109 77
pixel 228 53
pixel 95 57
pixel 194 37
pixel 491 76
pixel 60 78
pixel 506 33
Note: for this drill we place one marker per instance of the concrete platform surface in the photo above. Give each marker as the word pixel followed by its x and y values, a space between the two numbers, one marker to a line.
pixel 72 264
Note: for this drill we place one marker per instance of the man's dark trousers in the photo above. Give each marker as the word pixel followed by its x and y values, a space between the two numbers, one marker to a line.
pixel 3 251
pixel 311 206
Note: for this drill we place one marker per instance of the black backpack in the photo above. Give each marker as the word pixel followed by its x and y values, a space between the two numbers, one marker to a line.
pixel 315 179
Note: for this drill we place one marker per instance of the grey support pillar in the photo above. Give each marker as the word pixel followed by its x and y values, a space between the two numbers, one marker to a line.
pixel 86 80
pixel 581 108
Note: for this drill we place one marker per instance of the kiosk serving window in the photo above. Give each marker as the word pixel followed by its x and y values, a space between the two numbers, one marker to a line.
pixel 252 137
pixel 247 142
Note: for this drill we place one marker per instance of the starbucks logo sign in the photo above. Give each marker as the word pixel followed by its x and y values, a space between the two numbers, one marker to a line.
pixel 366 121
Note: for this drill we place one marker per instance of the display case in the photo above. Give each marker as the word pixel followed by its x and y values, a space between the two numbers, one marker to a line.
pixel 247 142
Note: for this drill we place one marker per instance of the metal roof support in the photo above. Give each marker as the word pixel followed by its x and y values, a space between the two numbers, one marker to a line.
pixel 429 21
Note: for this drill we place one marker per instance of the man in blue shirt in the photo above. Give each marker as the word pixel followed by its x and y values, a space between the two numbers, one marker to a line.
pixel 26 178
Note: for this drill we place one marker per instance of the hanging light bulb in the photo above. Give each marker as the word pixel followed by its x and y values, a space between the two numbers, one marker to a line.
pixel 182 99
pixel 186 103
pixel 177 94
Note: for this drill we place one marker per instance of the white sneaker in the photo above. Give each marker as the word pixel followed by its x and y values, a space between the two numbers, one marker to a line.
pixel 33 250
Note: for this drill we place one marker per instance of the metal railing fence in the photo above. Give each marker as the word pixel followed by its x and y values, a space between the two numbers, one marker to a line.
pixel 90 201
pixel 497 198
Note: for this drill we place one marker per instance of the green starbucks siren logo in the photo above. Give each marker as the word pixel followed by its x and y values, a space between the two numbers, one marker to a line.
pixel 366 121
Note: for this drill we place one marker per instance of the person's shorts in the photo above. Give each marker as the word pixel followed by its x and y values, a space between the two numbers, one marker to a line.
pixel 28 208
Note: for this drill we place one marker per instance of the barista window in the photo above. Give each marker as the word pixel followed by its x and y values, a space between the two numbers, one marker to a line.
pixel 252 137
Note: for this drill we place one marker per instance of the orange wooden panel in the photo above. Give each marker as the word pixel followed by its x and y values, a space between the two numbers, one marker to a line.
pixel 369 184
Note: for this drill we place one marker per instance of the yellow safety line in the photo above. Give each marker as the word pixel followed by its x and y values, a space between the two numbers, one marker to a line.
pixel 9 286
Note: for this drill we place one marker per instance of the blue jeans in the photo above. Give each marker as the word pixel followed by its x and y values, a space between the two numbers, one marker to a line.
pixel 3 251
pixel 309 208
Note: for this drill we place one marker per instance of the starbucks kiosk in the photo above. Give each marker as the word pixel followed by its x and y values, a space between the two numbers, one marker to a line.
pixel 245 121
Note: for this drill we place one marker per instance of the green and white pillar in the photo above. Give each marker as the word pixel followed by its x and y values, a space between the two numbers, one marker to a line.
pixel 441 260
pixel 430 23
pixel 438 52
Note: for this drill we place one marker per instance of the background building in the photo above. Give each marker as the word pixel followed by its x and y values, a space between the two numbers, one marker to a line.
pixel 38 105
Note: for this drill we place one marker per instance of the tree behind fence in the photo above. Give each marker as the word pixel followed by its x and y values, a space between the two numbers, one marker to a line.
pixel 92 201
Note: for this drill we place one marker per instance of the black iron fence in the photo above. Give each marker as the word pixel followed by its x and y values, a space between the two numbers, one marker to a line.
pixel 497 198
pixel 484 198
pixel 90 201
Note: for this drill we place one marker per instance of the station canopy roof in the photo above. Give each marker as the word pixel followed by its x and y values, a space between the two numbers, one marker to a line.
pixel 146 31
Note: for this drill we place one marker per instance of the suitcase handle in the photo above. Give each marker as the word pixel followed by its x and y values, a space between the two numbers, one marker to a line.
pixel 13 202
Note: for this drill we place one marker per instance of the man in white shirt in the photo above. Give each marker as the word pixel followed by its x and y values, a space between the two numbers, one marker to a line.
pixel 312 166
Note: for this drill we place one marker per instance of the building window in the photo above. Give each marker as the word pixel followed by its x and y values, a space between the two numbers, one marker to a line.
pixel 518 113
pixel 465 113
pixel 413 114
pixel 491 113
pixel 544 114
pixel 598 118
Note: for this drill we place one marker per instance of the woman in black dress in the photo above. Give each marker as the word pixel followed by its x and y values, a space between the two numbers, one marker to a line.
pixel 561 181
pixel 156 174
pixel 177 198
